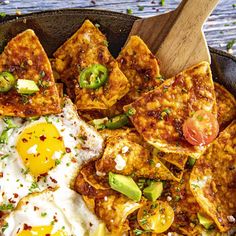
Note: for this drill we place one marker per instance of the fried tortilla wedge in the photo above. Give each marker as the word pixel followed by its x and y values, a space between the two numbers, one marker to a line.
pixel 140 67
pixel 226 106
pixel 185 205
pixel 88 46
pixel 159 115
pixel 110 206
pixel 25 58
pixel 142 71
pixel 128 155
pixel 213 179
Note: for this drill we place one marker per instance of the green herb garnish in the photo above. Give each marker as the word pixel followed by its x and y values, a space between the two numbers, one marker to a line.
pixel 230 44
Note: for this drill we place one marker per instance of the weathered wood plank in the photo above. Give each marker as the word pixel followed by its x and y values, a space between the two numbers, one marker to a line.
pixel 219 29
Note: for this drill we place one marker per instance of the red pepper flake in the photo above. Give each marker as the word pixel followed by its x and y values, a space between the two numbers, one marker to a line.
pixel 60 138
pixel 36 208
pixel 53 180
pixel 27 227
pixel 11 201
pixel 68 150
pixel 24 140
pixel 42 137
pixel 73 160
pixel 1 174
pixel 15 195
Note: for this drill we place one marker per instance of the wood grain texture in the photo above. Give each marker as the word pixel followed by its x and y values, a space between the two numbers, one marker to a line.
pixel 219 29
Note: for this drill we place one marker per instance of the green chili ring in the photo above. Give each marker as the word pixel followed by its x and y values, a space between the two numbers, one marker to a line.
pixel 117 122
pixel 7 81
pixel 93 77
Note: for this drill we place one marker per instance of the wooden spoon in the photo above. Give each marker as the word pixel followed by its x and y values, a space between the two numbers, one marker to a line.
pixel 177 38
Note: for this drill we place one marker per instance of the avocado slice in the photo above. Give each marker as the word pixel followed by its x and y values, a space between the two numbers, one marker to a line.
pixel 125 185
pixel 203 220
pixel 25 86
pixel 153 191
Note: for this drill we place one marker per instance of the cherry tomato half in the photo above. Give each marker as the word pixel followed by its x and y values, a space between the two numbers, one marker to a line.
pixel 201 129
pixel 156 216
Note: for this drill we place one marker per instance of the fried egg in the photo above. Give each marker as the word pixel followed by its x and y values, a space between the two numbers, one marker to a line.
pixel 56 213
pixel 43 152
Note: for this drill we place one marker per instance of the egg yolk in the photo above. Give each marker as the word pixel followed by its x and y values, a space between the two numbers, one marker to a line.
pixel 40 231
pixel 40 146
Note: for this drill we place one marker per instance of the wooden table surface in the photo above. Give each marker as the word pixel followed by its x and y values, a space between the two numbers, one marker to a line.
pixel 220 29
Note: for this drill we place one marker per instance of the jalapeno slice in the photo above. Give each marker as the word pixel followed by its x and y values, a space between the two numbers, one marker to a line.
pixel 93 77
pixel 7 81
pixel 117 122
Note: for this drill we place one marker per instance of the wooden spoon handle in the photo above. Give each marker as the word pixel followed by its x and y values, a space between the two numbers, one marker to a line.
pixel 183 43
pixel 195 11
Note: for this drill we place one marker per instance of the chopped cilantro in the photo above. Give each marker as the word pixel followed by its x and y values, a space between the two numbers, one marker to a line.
pixel 129 11
pixel 165 90
pixel 162 2
pixel 143 221
pixel 2 14
pixel 4 156
pixel 105 42
pixel 24 171
pixel 131 112
pixel 191 161
pixel 195 186
pixel 33 187
pixel 230 44
pixel 161 78
pixel 138 232
pixel 43 214
pixel 140 8
pixel 167 111
pixel 6 207
pixel 4 136
pixel 8 121
pixel 57 162
pixel 234 5
pixel 47 120
pixel 4 227
pixel 177 198
pixel 97 25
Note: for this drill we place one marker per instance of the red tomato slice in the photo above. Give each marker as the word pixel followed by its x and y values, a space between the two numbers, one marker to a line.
pixel 201 129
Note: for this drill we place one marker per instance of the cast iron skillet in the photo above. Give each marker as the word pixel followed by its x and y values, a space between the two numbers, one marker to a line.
pixel 54 27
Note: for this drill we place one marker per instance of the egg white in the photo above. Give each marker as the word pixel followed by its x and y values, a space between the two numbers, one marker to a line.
pixel 62 208
pixel 16 183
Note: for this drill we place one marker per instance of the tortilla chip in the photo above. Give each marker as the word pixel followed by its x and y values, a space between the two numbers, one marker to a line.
pixel 136 157
pixel 173 158
pixel 110 206
pixel 60 87
pixel 114 211
pixel 94 178
pixel 25 58
pixel 213 179
pixel 140 67
pixel 185 205
pixel 85 48
pixel 160 114
pixel 142 71
pixel 226 106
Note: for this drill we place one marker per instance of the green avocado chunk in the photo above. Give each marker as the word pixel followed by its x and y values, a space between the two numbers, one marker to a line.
pixel 153 191
pixel 25 86
pixel 203 220
pixel 125 185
